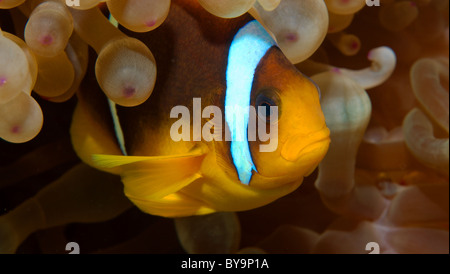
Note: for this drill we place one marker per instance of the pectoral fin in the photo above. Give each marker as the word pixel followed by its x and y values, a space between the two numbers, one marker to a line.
pixel 154 177
pixel 173 205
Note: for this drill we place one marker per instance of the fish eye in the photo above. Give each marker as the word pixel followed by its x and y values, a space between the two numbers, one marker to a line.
pixel 266 99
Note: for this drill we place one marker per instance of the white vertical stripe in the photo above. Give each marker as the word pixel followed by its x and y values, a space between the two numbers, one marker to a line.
pixel 247 49
pixel 117 126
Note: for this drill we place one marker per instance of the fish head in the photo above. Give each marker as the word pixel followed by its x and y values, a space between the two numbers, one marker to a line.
pixel 297 136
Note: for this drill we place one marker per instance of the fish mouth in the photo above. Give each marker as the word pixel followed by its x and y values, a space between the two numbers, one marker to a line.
pixel 299 146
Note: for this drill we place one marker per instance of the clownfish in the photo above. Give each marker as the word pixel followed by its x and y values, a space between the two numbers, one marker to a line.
pixel 225 63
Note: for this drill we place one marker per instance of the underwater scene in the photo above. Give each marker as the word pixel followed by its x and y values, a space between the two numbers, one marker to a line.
pixel 224 126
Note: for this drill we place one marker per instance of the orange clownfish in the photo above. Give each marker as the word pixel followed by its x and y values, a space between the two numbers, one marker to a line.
pixel 176 159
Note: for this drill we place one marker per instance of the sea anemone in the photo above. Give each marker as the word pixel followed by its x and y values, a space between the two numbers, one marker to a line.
pixel 382 187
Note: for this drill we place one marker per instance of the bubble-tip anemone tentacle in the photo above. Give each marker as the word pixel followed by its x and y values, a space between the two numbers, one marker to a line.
pixel 429 80
pixel 299 26
pixel 227 8
pixel 32 62
pixel 347 109
pixel 49 28
pixel 9 4
pixel 339 22
pixel 269 5
pixel 22 119
pixel 347 44
pixel 78 53
pixel 398 15
pixel 139 15
pixel 429 150
pixel 383 64
pixel 220 233
pixel 125 67
pixel 13 71
pixel 56 75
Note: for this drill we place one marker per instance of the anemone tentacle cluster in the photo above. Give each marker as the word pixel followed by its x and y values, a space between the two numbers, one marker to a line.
pixel 384 76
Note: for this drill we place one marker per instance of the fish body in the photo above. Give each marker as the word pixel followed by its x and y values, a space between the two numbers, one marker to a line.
pixel 206 60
